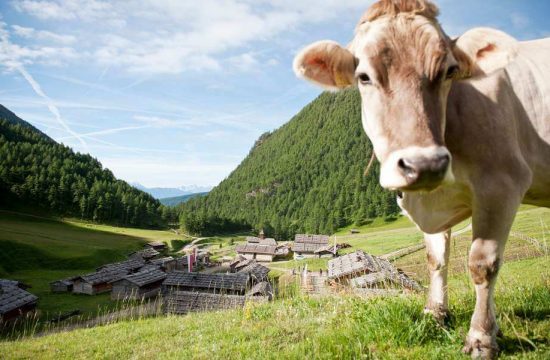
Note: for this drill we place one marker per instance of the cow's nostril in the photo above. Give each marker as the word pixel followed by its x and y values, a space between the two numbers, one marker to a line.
pixel 407 168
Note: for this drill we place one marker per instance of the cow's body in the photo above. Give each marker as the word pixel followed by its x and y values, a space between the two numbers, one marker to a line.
pixel 461 128
pixel 498 129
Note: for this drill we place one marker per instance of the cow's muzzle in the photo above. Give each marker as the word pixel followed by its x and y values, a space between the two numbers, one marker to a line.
pixel 417 169
pixel 423 173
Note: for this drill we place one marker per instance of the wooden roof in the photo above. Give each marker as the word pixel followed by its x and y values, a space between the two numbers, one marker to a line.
pixel 161 261
pixel 143 278
pixel 256 249
pixel 13 297
pixel 146 253
pixel 358 263
pixel 127 265
pixel 257 271
pixel 311 239
pixel 235 282
pixel 103 276
pixel 183 302
pixel 263 288
pixel 354 263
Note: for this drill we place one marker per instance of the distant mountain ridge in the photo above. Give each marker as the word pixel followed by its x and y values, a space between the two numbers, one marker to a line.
pixel 164 193
pixel 176 200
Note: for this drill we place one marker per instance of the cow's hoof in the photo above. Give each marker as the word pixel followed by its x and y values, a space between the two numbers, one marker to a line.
pixel 481 346
pixel 439 313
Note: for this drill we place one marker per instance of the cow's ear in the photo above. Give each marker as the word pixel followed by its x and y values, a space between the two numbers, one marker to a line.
pixel 327 64
pixel 482 51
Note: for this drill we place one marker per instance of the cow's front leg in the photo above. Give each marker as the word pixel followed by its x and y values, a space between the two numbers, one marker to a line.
pixel 437 251
pixel 491 227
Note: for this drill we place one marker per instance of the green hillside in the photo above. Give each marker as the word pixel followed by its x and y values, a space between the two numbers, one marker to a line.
pixel 39 250
pixel 37 173
pixel 176 200
pixel 307 176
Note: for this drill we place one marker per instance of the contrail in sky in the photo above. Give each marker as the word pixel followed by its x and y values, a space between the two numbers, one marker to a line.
pixel 51 106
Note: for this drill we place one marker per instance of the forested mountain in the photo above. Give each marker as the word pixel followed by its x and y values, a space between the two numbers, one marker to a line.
pixel 307 176
pixel 35 171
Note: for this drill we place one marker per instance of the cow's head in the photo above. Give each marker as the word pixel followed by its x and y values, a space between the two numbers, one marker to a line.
pixel 404 65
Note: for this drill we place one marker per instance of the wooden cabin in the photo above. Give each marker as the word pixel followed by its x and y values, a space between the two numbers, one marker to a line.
pixel 258 252
pixel 311 246
pixel 166 264
pixel 257 272
pixel 230 284
pixel 98 282
pixel 15 301
pixel 362 270
pixel 62 286
pixel 138 286
pixel 183 302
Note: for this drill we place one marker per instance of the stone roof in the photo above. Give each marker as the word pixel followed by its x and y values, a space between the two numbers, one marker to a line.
pixel 66 282
pixel 256 249
pixel 183 302
pixel 234 282
pixel 143 278
pixel 268 241
pixel 257 271
pixel 13 297
pixel 253 239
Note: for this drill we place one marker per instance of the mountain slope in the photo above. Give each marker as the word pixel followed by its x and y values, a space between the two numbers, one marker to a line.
pixel 38 173
pixel 307 176
pixel 176 200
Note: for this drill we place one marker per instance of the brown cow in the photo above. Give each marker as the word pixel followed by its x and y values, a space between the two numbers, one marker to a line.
pixel 461 129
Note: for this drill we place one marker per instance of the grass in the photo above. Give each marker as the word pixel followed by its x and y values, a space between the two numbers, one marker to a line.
pixel 317 328
pixel 37 250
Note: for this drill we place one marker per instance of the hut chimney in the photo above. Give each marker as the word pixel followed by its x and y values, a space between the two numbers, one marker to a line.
pixel 262 234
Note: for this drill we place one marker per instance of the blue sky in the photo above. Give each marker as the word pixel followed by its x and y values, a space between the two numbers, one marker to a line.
pixel 171 93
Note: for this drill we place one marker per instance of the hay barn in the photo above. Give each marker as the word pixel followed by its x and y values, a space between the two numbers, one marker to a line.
pixel 98 282
pixel 230 284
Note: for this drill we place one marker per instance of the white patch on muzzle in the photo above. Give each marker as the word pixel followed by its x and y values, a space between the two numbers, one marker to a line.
pixel 392 178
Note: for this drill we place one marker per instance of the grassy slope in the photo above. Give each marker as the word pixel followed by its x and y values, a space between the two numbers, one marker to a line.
pixel 343 327
pixel 37 251
pixel 340 327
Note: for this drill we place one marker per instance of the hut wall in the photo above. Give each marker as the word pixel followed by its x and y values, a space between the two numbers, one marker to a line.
pixel 82 287
pixel 101 288
pixel 60 288
pixel 248 256
pixel 16 313
pixel 306 255
pixel 264 258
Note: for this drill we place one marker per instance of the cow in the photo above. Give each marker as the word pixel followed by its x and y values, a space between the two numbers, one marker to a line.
pixel 461 128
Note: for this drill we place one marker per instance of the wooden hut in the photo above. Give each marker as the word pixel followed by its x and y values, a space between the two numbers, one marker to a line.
pixel 14 300
pixel 145 254
pixel 183 302
pixel 167 264
pixel 230 284
pixel 308 246
pixel 138 286
pixel 257 272
pixel 362 270
pixel 62 286
pixel 258 252
pixel 98 282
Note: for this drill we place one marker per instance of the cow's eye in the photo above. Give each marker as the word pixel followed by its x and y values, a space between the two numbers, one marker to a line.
pixel 364 79
pixel 452 71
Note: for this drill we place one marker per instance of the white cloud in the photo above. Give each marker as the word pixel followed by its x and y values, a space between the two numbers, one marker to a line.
pixel 42 35
pixel 172 37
